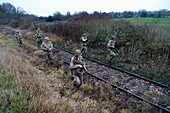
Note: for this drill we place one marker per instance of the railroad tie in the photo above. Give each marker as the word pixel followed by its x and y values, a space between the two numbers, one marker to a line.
pixel 142 90
pixel 124 81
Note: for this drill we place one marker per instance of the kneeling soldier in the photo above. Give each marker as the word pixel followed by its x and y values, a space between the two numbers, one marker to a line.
pixel 77 65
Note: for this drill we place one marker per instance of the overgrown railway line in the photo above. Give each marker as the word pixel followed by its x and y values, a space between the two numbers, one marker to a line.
pixel 152 92
pixel 142 88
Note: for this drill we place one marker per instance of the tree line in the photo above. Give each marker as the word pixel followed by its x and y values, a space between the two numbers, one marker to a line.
pixel 9 12
pixel 163 13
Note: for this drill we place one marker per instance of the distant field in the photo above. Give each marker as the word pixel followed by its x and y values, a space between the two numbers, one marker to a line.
pixel 162 23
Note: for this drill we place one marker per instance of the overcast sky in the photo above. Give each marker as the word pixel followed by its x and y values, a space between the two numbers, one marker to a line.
pixel 48 7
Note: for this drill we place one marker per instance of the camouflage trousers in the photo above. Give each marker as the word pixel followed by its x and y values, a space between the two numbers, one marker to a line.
pixel 112 54
pixel 78 76
pixel 39 42
pixel 84 50
pixel 19 41
pixel 48 56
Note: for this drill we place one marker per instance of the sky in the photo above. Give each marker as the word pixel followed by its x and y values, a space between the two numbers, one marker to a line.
pixel 49 7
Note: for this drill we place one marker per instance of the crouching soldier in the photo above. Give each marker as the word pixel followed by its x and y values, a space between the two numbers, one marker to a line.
pixel 77 65
pixel 111 47
pixel 18 36
pixel 84 43
pixel 39 35
pixel 47 47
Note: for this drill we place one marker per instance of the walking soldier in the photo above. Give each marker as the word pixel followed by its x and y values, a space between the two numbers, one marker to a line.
pixel 39 35
pixel 47 47
pixel 111 47
pixel 18 36
pixel 84 43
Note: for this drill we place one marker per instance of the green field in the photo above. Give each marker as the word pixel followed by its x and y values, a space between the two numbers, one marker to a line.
pixel 162 23
pixel 159 21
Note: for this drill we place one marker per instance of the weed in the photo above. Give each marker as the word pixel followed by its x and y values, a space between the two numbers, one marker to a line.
pixel 87 89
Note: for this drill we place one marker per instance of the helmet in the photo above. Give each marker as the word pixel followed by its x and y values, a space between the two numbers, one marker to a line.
pixel 113 37
pixel 84 34
pixel 78 52
pixel 46 38
pixel 17 31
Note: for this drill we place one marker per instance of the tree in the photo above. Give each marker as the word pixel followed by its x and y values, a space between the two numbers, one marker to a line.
pixel 143 13
pixel 57 16
pixel 68 15
pixel 8 10
pixel 19 12
pixel 128 14
pixel 50 19
pixel 163 12
pixel 150 14
pixel 95 13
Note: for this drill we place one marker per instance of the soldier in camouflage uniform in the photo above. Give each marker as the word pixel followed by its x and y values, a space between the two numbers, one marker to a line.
pixel 18 36
pixel 77 65
pixel 111 47
pixel 84 43
pixel 47 47
pixel 39 35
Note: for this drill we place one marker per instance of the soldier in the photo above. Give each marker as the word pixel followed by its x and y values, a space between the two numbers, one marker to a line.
pixel 18 36
pixel 111 47
pixel 47 47
pixel 77 65
pixel 39 35
pixel 84 43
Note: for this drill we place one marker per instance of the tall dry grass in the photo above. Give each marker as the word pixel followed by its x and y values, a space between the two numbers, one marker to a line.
pixel 33 91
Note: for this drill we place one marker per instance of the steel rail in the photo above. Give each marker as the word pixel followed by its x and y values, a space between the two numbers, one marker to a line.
pixel 121 89
pixel 115 68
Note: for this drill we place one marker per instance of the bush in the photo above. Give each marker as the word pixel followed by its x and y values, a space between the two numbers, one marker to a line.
pixel 135 46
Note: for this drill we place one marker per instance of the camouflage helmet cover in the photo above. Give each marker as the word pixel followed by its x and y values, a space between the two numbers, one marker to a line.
pixel 77 52
pixel 46 38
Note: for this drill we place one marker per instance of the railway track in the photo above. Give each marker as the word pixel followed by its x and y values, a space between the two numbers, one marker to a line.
pixel 152 92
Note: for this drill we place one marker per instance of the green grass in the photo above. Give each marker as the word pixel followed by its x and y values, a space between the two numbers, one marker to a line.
pixel 11 96
pixel 10 43
pixel 159 21
pixel 162 23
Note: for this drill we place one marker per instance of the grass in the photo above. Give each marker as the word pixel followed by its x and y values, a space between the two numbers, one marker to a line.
pixel 9 42
pixel 14 74
pixel 162 23
pixel 146 54
pixel 12 98
pixel 22 92
pixel 36 95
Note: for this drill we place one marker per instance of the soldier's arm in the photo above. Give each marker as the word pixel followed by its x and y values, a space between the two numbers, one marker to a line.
pixel 43 47
pixel 72 64
pixel 20 35
pixel 51 46
pixel 108 44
